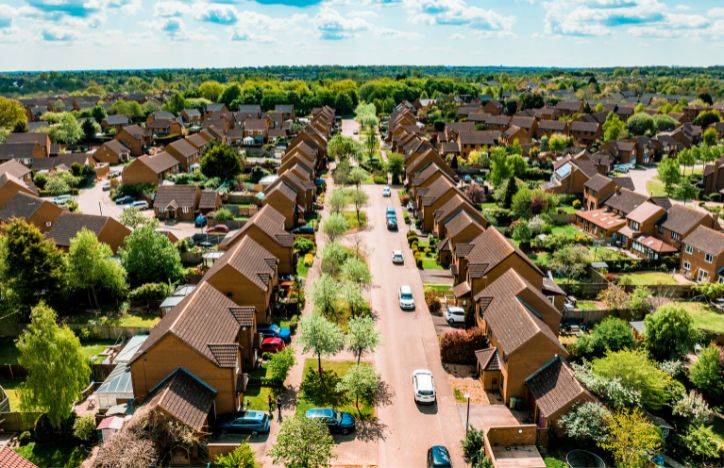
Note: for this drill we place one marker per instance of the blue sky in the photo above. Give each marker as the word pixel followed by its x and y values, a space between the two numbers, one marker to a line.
pixel 100 34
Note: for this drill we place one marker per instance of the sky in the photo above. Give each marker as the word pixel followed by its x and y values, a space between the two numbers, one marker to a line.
pixel 122 34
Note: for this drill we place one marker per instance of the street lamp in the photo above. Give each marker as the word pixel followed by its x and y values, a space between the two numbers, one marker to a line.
pixel 467 416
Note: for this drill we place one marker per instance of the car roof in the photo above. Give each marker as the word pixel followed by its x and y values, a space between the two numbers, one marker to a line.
pixel 252 415
pixel 440 455
pixel 397 252
pixel 405 288
pixel 455 309
pixel 271 339
pixel 319 413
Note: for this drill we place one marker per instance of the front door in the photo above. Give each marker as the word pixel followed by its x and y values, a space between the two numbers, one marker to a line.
pixel 702 276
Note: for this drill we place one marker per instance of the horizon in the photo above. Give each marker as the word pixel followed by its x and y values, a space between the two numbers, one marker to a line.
pixel 77 35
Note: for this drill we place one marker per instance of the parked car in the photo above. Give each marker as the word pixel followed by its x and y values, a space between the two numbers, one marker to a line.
pixel 218 229
pixel 386 192
pixel 391 224
pixel 125 200
pixel 336 421
pixel 455 315
pixel 141 204
pixel 200 221
pixel 106 185
pixel 407 300
pixel 424 386
pixel 306 229
pixel 438 457
pixel 272 345
pixel 275 331
pixel 249 422
pixel 397 257
pixel 62 199
pixel 390 211
pixel 114 173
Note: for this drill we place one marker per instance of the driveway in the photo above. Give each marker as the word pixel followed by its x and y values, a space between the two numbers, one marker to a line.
pixel 350 128
pixel 409 342
pixel 640 177
pixel 97 202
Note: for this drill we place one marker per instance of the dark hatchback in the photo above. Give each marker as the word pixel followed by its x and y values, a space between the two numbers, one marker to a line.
pixel 438 457
pixel 248 422
pixel 337 421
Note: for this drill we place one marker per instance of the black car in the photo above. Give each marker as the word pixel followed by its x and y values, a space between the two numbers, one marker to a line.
pixel 391 224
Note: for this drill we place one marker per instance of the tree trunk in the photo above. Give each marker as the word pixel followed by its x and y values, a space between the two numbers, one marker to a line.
pixel 319 363
pixel 95 298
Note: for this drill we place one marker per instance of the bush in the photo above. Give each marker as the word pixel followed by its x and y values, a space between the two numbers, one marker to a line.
pixel 434 305
pixel 586 422
pixel 308 260
pixel 223 214
pixel 418 260
pixel 406 217
pixel 303 245
pixel 149 292
pixel 24 438
pixel 459 346
pixel 84 428
pixel 381 180
pixel 576 204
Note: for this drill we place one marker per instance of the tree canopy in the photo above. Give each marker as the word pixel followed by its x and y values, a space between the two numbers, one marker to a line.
pixel 302 443
pixel 150 257
pixel 222 161
pixel 669 332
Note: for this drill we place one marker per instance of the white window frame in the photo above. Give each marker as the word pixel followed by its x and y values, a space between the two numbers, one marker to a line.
pixel 689 249
pixel 687 265
pixel 708 258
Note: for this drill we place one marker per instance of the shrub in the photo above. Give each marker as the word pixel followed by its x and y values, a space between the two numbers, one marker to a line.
pixel 473 446
pixel 418 260
pixel 303 245
pixel 406 217
pixel 84 428
pixel 702 442
pixel 586 422
pixel 149 292
pixel 223 214
pixel 576 203
pixel 308 260
pixel 459 346
pixel 693 408
pixel 381 180
pixel 24 438
pixel 434 305
pixel 706 373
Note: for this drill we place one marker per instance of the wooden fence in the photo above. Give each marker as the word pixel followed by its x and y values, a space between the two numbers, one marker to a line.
pixel 17 422
pixel 591 290
pixel 99 372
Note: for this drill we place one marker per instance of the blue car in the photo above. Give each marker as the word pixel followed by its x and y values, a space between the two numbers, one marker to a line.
pixel 337 421
pixel 249 422
pixel 438 457
pixel 125 200
pixel 200 221
pixel 275 331
pixel 390 211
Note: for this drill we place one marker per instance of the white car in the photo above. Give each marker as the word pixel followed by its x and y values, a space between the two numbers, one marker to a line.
pixel 424 386
pixel 141 205
pixel 455 315
pixel 386 192
pixel 407 300
pixel 106 186
pixel 397 257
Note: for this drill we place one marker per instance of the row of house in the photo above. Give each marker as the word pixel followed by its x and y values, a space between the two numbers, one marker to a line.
pixel 517 306
pixel 193 364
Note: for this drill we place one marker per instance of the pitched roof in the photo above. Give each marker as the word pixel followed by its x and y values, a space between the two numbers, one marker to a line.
pixel 489 249
pixel 116 119
pixel 7 178
pixel 460 221
pixel 14 168
pixel 28 137
pixel 197 140
pixel 208 199
pixel 625 182
pixel 554 387
pixel 625 201
pixel 203 319
pixel 437 189
pixel 69 224
pixel 115 146
pixel 645 211
pixel 512 321
pixel 184 196
pixel 159 162
pixel 251 260
pixel 183 147
pixel 488 359
pixel 270 221
pixel 707 240
pixel 17 150
pixel 135 131
pixel 589 127
pixel 682 219
pixel 9 458
pixel 185 397
pixel 597 182
pixel 22 206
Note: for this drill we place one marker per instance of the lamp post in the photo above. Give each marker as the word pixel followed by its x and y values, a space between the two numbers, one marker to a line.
pixel 467 415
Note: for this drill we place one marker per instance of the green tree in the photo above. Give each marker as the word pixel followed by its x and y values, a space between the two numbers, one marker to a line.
pixel 334 226
pixel 571 260
pixel 669 173
pixel 84 428
pixel 396 166
pixel 500 170
pixel 222 161
pixel 473 447
pixel 707 117
pixel 334 256
pixel 710 136
pixel 302 443
pixel 586 422
pixel 707 373
pixel 558 142
pixel 91 268
pixel 90 129
pixel 638 301
pixel 665 123
pixel 359 200
pixel 57 369
pixel 278 364
pixel 613 128
pixel 175 104
pixel 354 298
pixel 230 95
pixel 341 148
pixel 686 157
pixel 522 233
pixel 321 337
pixel 703 442
pixel 633 439
pixel 337 200
pixel 99 113
pixel 641 123
pixel 356 176
pixel 241 457
pixel 361 382
pixel 150 257
pixel 686 190
pixel 31 266
pixel 325 292
pixel 669 332
pixel 636 371
pixel 134 218
pixel 12 115
pixel 211 90
pixel 67 130
pixel 612 334
pixel 357 271
pixel 362 336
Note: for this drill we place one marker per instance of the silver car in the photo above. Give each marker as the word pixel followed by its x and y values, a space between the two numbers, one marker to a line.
pixel 424 386
pixel 455 315
pixel 397 257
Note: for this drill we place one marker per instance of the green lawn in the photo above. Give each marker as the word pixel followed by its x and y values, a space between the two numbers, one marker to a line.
pixel 705 317
pixel 656 187
pixel 328 399
pixel 587 305
pixel 648 278
pixel 442 289
pixel 430 263
pixel 10 387
pixel 606 254
pixel 8 352
pixel 302 269
pixel 126 320
pixel 569 230
pixel 351 217
pixel 94 348
pixel 54 453
pixel 567 209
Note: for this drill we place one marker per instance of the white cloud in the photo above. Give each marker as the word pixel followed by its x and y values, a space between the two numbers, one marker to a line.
pixel 331 25
pixel 716 13
pixel 457 13
pixel 6 16
pixel 58 34
pixel 170 9
pixel 218 14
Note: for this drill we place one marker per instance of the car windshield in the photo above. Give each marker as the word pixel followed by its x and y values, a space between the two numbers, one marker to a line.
pixel 338 416
pixel 275 328
pixel 406 296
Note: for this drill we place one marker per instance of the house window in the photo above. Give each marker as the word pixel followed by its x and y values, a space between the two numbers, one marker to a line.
pixel 687 266
pixel 721 279
pixel 674 235
pixel 551 299
pixel 708 258
pixel 634 225
pixel 185 209
pixel 689 249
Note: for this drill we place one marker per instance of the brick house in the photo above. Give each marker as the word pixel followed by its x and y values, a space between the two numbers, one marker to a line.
pixel 112 152
pixel 177 202
pixel 106 229
pixel 41 213
pixel 150 169
pixel 702 258
pixel 134 138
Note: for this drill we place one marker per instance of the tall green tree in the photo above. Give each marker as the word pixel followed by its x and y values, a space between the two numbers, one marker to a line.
pixel 356 176
pixel 31 267
pixel 359 200
pixel 334 226
pixel 707 373
pixel 361 382
pixel 57 368
pixel 641 123
pixel 325 293
pixel 211 90
pixel 613 128
pixel 362 336
pixel 91 268
pixel 302 443
pixel 396 166
pixel 633 439
pixel 354 298
pixel 670 332
pixel 67 130
pixel 321 337
pixel 669 173
pixel 150 257
pixel 342 148
pixel 357 271
pixel 222 161
pixel 12 115
pixel 175 104
pixel 337 200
